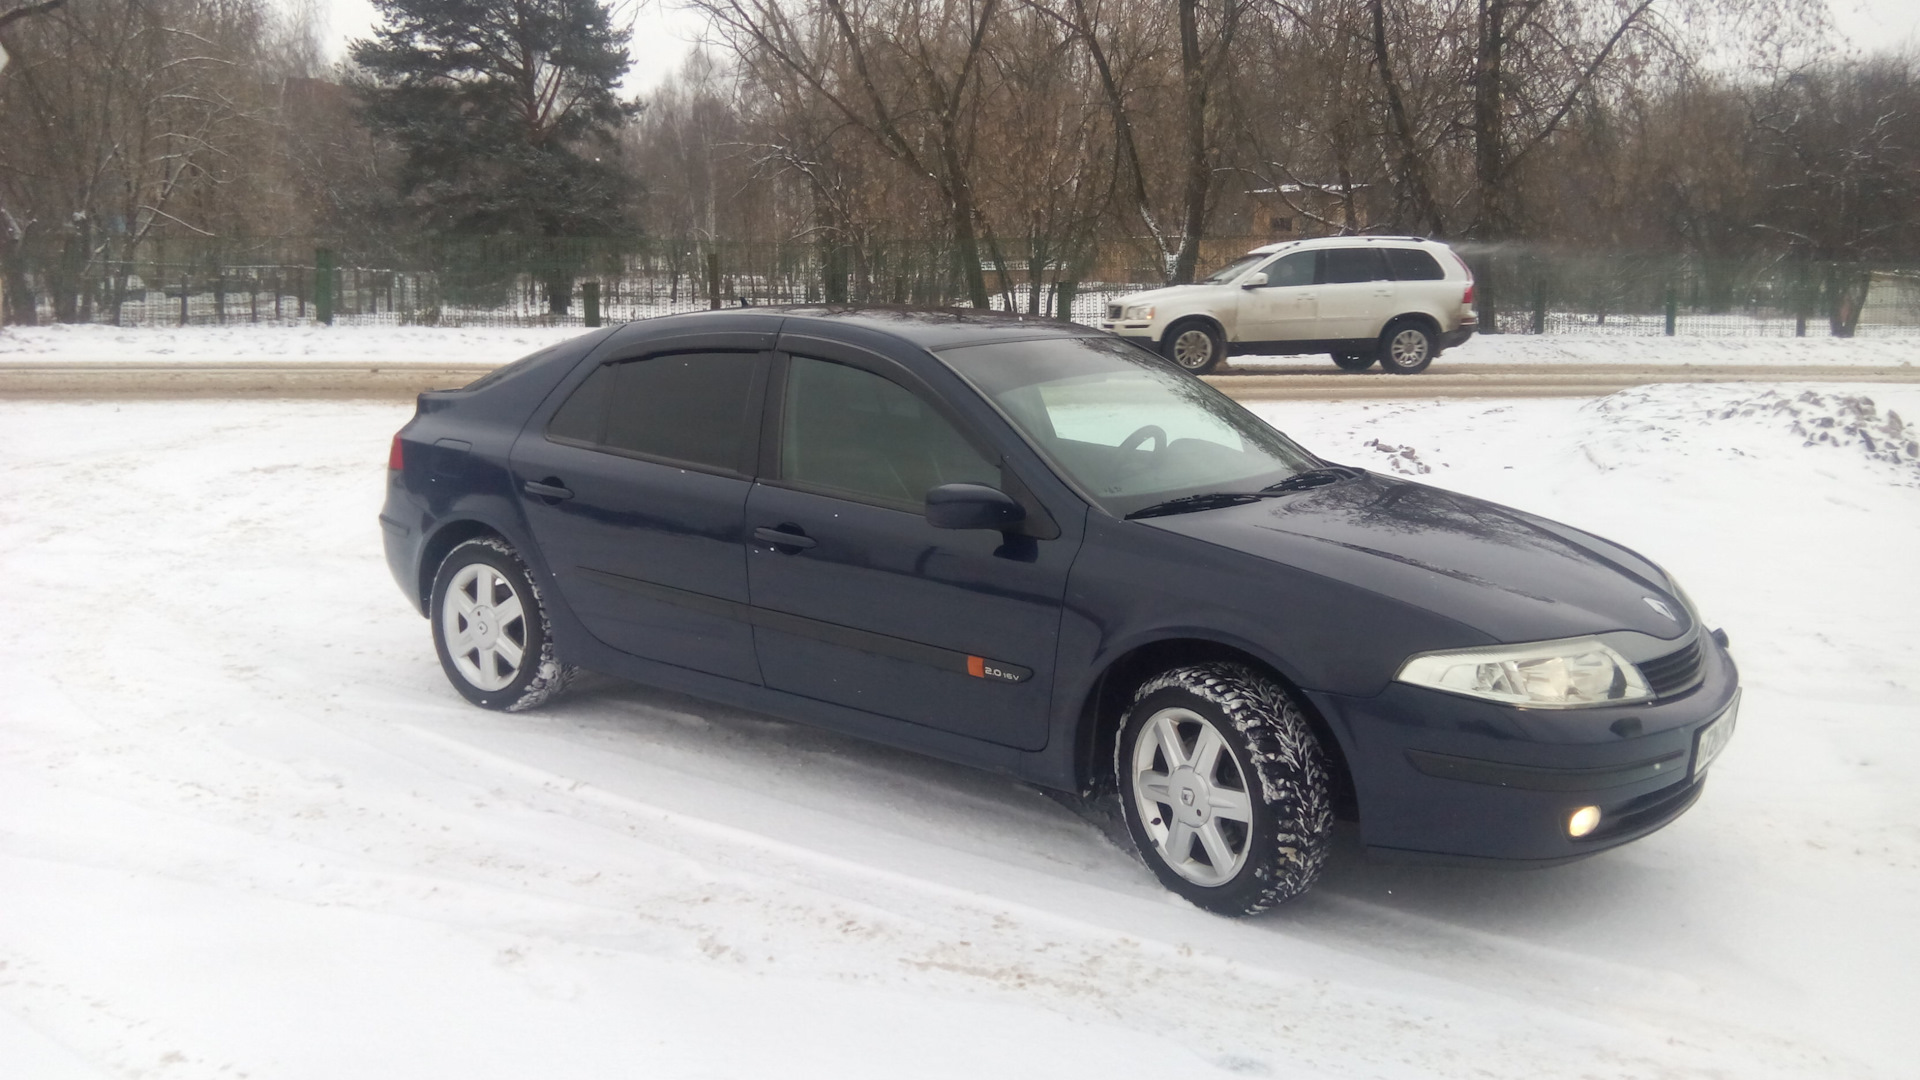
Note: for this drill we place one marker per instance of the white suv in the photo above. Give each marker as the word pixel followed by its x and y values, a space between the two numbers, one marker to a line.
pixel 1396 299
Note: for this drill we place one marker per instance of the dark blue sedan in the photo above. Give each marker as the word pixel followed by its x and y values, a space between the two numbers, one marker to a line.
pixel 1039 549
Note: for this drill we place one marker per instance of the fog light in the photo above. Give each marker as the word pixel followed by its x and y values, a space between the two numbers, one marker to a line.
pixel 1584 820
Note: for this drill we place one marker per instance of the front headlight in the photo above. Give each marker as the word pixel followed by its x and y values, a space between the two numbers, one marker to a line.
pixel 1572 673
pixel 1139 313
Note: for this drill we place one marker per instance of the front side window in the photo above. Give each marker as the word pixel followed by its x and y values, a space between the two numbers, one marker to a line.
pixel 850 432
pixel 1289 271
pixel 691 408
pixel 1122 425
pixel 1232 270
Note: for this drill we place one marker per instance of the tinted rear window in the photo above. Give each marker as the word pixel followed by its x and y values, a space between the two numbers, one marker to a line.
pixel 1413 264
pixel 696 408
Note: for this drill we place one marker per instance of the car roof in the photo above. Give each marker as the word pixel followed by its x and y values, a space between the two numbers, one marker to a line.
pixel 1341 241
pixel 929 328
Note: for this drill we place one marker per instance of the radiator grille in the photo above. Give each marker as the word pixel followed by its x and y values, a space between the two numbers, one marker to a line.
pixel 1113 311
pixel 1673 673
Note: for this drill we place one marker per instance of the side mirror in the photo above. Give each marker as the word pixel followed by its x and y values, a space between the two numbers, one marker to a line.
pixel 972 506
pixel 1253 281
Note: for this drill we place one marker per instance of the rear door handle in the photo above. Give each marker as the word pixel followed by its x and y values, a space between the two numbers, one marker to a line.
pixel 784 538
pixel 546 491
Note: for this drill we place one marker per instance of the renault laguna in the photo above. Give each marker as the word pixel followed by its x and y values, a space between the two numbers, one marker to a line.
pixel 1039 549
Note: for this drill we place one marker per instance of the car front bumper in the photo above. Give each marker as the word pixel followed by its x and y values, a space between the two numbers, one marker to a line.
pixel 1145 330
pixel 1442 778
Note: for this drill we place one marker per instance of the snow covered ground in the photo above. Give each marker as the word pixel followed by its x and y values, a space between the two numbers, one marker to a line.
pixel 246 829
pixel 420 344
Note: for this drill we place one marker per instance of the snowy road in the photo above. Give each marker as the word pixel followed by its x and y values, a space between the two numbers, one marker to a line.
pixel 247 829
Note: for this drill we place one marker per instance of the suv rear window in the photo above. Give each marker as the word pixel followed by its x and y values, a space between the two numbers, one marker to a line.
pixel 1346 265
pixel 1413 264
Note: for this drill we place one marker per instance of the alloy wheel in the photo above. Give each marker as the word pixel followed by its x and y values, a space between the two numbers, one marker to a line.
pixel 1193 349
pixel 1192 796
pixel 485 626
pixel 1408 348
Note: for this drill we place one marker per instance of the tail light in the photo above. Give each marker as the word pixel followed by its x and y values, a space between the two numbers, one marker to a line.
pixel 396 457
pixel 1466 300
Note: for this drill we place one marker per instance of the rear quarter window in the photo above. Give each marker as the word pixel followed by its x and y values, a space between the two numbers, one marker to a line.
pixel 1413 264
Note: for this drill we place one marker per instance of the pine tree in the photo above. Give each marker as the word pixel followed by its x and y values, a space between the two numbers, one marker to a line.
pixel 506 112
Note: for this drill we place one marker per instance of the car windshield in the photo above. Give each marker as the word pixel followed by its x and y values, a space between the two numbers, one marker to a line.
pixel 1232 270
pixel 1125 427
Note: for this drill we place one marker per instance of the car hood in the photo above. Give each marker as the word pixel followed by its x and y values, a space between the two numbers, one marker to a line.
pixel 1177 294
pixel 1511 575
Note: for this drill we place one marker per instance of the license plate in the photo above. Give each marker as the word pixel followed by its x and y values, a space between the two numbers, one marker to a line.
pixel 1714 737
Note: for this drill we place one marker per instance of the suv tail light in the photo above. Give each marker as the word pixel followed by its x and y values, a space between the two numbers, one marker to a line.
pixel 1466 300
pixel 395 456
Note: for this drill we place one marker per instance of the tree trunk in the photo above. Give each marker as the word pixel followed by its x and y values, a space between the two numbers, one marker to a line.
pixel 1199 168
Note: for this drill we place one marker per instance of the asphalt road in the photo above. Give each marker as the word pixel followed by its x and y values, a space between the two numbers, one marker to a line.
pixel 30 379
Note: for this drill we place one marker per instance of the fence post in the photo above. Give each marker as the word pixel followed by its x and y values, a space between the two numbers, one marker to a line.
pixel 185 286
pixel 713 280
pixel 590 301
pixel 1673 309
pixel 1539 301
pixel 323 285
pixel 220 299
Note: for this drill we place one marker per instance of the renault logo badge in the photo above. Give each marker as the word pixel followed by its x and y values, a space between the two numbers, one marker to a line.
pixel 1661 607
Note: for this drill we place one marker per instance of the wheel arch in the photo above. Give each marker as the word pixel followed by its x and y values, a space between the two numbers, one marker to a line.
pixel 1197 316
pixel 449 535
pixel 1424 318
pixel 1106 701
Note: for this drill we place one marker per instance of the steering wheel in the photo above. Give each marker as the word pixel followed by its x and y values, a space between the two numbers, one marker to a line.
pixel 1151 431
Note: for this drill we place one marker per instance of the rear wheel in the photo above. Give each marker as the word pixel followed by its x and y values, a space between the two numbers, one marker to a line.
pixel 1406 348
pixel 1194 345
pixel 1355 361
pixel 491 630
pixel 1224 788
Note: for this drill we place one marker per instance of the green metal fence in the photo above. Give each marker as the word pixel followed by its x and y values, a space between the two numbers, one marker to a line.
pixel 513 281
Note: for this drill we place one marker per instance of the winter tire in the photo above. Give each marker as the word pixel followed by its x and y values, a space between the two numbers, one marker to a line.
pixel 1406 348
pixel 491 630
pixel 1194 345
pixel 1355 361
pixel 1224 788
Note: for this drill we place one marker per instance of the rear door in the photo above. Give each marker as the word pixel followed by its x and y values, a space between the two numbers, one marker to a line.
pixel 857 599
pixel 1356 293
pixel 635 488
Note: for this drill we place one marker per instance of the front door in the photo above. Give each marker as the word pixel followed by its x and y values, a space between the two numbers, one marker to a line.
pixel 636 492
pixel 858 600
pixel 1286 308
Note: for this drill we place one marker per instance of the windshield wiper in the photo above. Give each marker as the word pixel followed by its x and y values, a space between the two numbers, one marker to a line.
pixel 1215 500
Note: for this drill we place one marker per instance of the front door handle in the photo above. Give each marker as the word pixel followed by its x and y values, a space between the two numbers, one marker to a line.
pixel 788 537
pixel 547 491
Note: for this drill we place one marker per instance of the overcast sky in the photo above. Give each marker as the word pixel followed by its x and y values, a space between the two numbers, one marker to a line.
pixel 664 30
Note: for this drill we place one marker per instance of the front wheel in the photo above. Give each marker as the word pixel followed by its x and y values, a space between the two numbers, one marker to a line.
pixel 1194 345
pixel 1406 348
pixel 1224 788
pixel 491 630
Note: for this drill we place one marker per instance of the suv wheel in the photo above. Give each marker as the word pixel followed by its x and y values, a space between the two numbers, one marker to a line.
pixel 1406 348
pixel 1224 788
pixel 1194 345
pixel 491 629
pixel 1355 361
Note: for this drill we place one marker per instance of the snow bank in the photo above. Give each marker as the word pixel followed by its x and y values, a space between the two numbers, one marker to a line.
pixel 259 344
pixel 246 827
